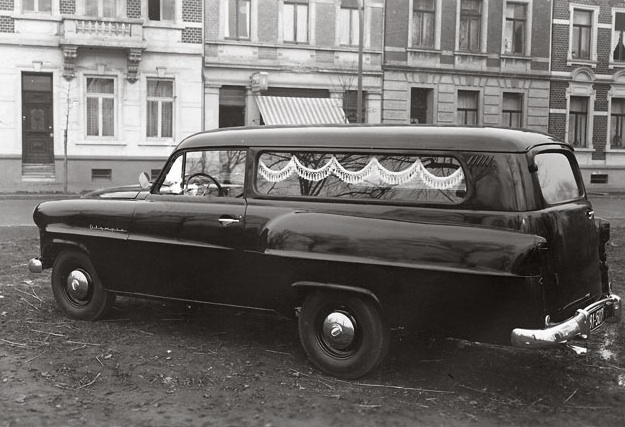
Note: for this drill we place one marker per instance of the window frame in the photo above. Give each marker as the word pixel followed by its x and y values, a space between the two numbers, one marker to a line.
pixel 36 7
pixel 100 97
pixel 481 33
pixel 353 31
pixel 295 4
pixel 160 12
pixel 101 9
pixel 584 133
pixel 226 21
pixel 160 101
pixel 526 28
pixel 436 15
pixel 256 154
pixel 477 94
pixel 592 59
pixel 615 38
pixel 521 111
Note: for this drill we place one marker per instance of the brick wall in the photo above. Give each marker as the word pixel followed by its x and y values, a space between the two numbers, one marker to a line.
pixel 397 23
pixel 192 11
pixel 6 24
pixel 192 35
pixel 211 19
pixel 557 125
pixel 268 21
pixel 541 28
pixel 601 100
pixel 68 7
pixel 325 25
pixel 133 9
pixel 7 5
pixel 599 137
pixel 557 95
pixel 560 47
pixel 448 25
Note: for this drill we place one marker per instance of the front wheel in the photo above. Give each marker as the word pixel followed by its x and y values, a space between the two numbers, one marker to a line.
pixel 77 288
pixel 343 334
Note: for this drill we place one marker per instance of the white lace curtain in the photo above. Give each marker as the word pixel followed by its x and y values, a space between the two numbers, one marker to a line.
pixel 373 172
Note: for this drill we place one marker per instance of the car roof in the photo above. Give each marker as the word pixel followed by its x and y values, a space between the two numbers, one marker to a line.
pixel 352 136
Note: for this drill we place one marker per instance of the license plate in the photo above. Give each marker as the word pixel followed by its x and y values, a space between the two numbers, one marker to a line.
pixel 596 317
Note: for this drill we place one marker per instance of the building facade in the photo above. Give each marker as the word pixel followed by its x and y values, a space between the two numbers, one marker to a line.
pixel 95 91
pixel 269 56
pixel 588 87
pixel 476 62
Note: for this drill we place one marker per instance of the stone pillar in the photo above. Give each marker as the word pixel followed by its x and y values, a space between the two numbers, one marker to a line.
pixel 374 107
pixel 211 102
pixel 252 113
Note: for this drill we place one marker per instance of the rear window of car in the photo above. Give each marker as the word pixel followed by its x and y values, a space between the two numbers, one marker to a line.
pixel 556 177
pixel 385 177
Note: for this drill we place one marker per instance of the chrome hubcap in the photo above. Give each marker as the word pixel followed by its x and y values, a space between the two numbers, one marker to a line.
pixel 78 283
pixel 339 330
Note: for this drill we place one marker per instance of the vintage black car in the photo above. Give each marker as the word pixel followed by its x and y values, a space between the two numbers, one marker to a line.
pixel 479 233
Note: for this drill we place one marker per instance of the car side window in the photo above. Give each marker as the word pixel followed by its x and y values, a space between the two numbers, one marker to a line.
pixel 405 178
pixel 216 173
pixel 556 178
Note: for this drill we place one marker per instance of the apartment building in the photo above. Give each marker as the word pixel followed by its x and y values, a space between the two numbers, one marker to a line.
pixel 95 91
pixel 291 61
pixel 587 107
pixel 475 62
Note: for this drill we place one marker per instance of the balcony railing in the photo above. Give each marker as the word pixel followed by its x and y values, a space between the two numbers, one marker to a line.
pixel 127 33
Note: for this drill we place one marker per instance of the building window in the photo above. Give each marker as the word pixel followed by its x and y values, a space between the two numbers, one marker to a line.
pixel 295 14
pixel 470 25
pixel 467 107
pixel 350 106
pixel 100 106
pixel 161 10
pixel 420 106
pixel 578 121
pixel 101 175
pixel 101 8
pixel 160 108
pixel 617 123
pixel 238 21
pixel 618 53
pixel 423 17
pixel 516 22
pixel 512 111
pixel 581 40
pixel 349 23
pixel 36 5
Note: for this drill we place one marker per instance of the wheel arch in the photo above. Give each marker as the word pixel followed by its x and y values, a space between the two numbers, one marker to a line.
pixel 302 288
pixel 57 245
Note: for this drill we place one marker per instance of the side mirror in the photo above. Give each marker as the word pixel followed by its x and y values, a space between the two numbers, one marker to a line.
pixel 144 180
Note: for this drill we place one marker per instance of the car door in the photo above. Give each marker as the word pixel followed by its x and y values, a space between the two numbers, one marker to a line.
pixel 569 223
pixel 187 234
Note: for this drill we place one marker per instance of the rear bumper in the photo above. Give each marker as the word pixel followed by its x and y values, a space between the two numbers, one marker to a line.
pixel 577 326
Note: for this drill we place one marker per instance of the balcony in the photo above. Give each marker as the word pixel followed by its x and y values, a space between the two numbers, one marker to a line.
pixel 125 35
pixel 102 32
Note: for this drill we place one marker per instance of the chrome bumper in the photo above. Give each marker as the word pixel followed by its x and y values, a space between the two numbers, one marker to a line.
pixel 578 325
pixel 35 265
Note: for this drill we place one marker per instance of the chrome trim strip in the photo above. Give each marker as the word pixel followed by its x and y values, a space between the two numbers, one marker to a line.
pixel 578 325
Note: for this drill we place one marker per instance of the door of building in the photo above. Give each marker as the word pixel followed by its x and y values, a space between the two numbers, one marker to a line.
pixel 37 119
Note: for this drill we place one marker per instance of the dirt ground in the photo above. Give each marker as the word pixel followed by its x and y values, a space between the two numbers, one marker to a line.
pixel 155 364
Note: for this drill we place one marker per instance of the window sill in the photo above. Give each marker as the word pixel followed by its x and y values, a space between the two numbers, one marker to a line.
pixel 619 64
pixel 157 142
pixel 583 149
pixel 583 62
pixel 100 141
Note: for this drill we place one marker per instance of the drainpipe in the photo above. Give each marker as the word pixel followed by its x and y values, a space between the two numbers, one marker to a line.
pixel 361 7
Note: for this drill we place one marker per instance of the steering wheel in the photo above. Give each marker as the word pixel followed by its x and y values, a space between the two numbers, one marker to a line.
pixel 220 190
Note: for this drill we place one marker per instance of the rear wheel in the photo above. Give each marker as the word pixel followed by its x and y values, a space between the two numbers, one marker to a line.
pixel 77 288
pixel 343 334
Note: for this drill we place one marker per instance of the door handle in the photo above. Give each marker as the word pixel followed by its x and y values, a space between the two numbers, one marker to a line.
pixel 590 214
pixel 226 221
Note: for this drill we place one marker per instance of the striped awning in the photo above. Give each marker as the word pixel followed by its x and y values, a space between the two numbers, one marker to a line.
pixel 282 110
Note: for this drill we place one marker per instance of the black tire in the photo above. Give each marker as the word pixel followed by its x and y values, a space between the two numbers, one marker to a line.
pixel 361 340
pixel 77 288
